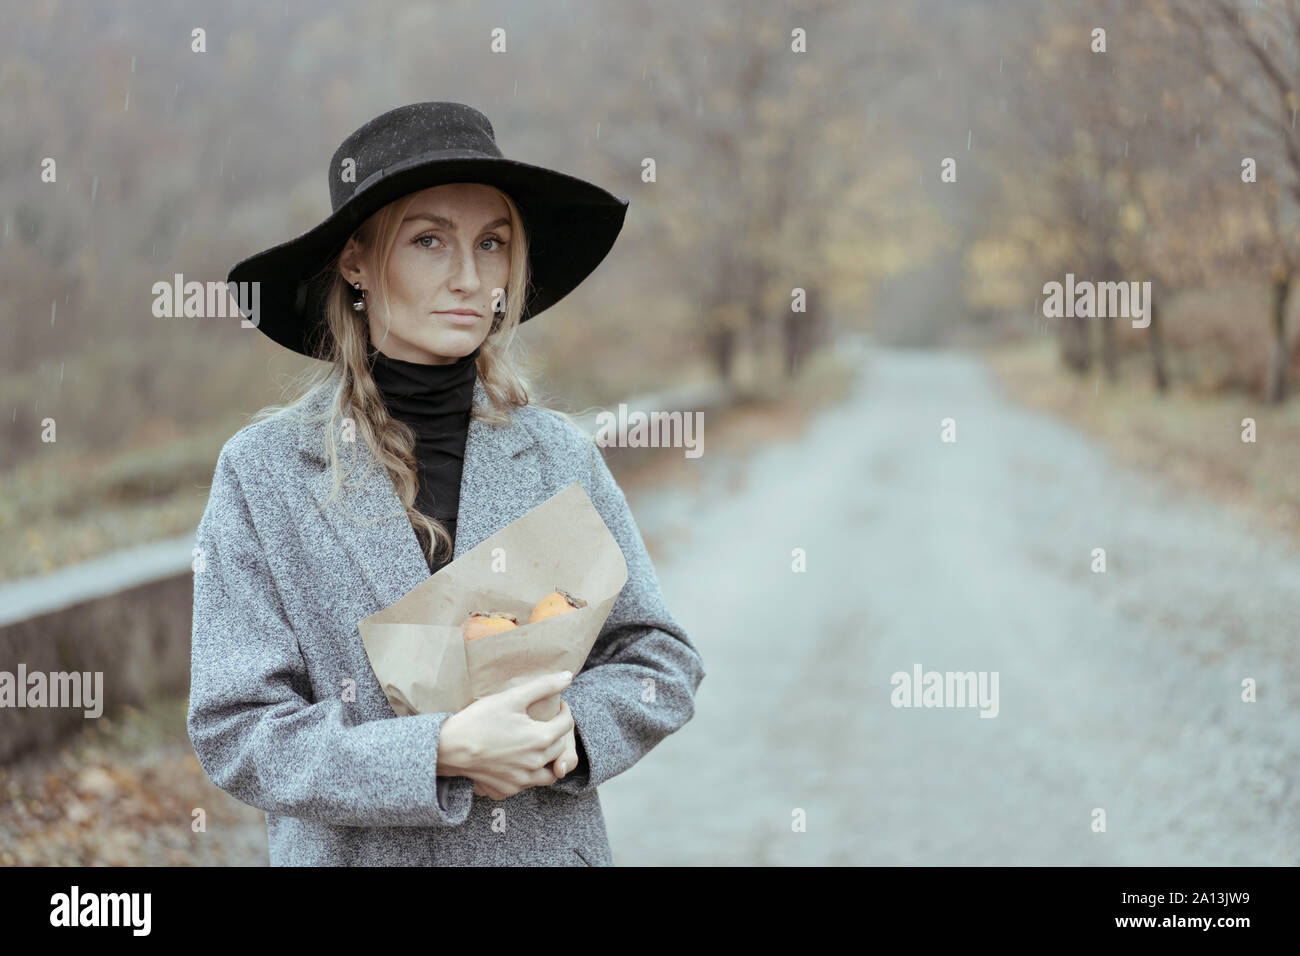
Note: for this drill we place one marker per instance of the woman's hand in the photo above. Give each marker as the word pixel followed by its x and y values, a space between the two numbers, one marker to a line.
pixel 506 751
pixel 567 761
pixel 486 785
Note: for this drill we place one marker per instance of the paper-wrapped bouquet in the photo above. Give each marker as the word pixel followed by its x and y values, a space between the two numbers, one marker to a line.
pixel 418 648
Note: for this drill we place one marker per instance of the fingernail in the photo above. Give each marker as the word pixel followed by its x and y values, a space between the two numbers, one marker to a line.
pixel 563 768
pixel 567 675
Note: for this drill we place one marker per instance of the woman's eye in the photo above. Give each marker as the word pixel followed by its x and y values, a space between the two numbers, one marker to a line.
pixel 420 240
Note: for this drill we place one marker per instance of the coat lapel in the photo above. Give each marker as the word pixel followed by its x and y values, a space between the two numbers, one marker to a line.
pixel 367 517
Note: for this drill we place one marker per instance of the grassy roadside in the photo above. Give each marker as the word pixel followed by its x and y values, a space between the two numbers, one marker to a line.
pixel 53 514
pixel 64 511
pixel 1192 439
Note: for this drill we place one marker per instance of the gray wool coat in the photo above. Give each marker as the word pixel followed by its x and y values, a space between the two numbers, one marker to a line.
pixel 278 592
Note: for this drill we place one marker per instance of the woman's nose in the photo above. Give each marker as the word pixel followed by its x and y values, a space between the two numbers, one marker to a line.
pixel 465 271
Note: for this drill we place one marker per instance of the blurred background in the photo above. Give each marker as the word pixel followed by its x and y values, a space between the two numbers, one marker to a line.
pixel 853 212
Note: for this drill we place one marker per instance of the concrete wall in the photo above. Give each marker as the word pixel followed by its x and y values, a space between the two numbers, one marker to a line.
pixel 138 637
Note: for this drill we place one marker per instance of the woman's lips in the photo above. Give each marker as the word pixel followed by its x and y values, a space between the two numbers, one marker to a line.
pixel 457 318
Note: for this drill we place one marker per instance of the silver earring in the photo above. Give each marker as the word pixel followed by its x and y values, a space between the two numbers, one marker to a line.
pixel 359 305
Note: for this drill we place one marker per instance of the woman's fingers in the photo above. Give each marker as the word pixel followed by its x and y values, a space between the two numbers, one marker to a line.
pixel 503 788
pixel 561 756
pixel 543 778
pixel 538 688
pixel 562 744
pixel 492 788
pixel 563 750
pixel 562 722
pixel 568 761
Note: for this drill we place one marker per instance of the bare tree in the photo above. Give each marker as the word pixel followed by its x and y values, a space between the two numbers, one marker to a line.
pixel 1252 55
pixel 752 117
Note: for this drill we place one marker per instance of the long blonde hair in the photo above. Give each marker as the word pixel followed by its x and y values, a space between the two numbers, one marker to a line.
pixel 391 441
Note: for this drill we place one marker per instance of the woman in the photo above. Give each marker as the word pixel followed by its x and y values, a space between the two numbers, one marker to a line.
pixel 411 291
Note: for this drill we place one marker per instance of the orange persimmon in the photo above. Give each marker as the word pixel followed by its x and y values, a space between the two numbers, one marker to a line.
pixel 557 602
pixel 483 623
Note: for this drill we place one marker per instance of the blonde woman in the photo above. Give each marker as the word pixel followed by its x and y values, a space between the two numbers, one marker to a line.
pixel 413 443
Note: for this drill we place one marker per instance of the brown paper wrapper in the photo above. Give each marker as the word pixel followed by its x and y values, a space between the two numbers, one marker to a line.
pixel 417 647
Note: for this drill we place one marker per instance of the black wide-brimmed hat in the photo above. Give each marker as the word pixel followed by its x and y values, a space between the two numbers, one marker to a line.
pixel 571 224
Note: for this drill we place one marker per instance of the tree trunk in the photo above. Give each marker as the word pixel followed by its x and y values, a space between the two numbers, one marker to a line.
pixel 1157 350
pixel 792 330
pixel 800 332
pixel 1109 359
pixel 722 344
pixel 757 332
pixel 1276 386
pixel 1074 344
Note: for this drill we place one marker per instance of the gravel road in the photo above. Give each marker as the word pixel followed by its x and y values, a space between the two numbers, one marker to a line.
pixel 1118 692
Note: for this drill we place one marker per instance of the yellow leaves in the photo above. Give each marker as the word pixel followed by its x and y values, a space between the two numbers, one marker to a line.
pixel 1132 218
pixel 891 258
pixel 1234 230
pixel 97 781
pixel 991 253
pixel 1060 39
pixel 994 276
pixel 1117 184
pixel 730 315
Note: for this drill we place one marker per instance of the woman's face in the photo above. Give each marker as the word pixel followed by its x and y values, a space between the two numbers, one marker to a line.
pixel 452 251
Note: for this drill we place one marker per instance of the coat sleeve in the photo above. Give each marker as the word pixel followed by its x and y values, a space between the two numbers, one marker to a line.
pixel 639 682
pixel 254 726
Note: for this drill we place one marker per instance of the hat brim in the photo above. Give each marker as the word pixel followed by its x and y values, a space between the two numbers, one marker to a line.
pixel 571 226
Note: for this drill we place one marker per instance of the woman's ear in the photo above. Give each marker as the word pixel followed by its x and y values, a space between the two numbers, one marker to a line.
pixel 350 263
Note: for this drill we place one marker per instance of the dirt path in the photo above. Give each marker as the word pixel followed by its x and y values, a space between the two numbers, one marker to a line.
pixel 1119 691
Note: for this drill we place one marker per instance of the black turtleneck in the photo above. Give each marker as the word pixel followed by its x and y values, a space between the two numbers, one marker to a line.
pixel 435 400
